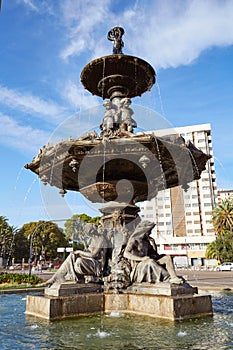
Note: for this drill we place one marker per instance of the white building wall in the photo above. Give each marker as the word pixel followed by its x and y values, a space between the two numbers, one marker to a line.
pixel 199 201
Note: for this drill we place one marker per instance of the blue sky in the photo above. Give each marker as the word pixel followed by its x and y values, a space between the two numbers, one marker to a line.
pixel 44 45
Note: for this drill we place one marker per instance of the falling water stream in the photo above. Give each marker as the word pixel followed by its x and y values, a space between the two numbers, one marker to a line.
pixel 160 164
pixel 118 331
pixel 160 98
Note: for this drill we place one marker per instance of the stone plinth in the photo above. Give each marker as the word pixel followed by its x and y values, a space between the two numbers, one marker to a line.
pixel 52 308
pixel 161 300
pixel 163 288
pixel 70 288
pixel 160 306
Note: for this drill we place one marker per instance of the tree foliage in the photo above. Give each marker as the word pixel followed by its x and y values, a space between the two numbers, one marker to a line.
pixel 45 236
pixel 222 248
pixel 75 228
pixel 222 218
pixel 7 235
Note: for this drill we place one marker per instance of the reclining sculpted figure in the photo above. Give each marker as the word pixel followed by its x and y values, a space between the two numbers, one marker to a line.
pixel 147 265
pixel 83 263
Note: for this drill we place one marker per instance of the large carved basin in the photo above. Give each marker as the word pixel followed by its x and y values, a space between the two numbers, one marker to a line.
pixel 128 74
pixel 129 169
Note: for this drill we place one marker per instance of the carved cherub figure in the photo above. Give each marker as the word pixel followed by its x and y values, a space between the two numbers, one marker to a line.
pixel 126 114
pixel 110 120
pixel 115 35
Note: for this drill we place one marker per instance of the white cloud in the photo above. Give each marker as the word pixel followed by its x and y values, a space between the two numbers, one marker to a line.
pixel 81 19
pixel 168 33
pixel 30 4
pixel 31 104
pixel 23 138
pixel 76 96
pixel 177 32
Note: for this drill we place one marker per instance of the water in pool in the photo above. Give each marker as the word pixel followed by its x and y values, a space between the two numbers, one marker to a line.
pixel 115 331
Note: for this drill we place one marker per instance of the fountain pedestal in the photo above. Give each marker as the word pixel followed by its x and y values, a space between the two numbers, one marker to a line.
pixel 162 300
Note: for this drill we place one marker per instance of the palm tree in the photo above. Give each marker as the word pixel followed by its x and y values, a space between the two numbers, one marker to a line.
pixel 212 251
pixel 222 216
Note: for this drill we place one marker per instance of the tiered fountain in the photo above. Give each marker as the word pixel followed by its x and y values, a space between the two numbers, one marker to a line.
pixel 119 168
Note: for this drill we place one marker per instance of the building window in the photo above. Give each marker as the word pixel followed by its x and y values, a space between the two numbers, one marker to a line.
pixel 203 246
pixel 209 230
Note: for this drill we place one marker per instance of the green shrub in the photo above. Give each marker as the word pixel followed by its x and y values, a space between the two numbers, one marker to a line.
pixel 15 278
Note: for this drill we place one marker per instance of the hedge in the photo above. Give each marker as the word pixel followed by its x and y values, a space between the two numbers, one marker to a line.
pixel 16 278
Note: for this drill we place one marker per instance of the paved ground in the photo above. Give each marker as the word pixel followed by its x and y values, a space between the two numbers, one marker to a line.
pixel 209 279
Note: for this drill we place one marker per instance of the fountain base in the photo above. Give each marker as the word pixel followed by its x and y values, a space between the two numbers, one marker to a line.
pixel 162 300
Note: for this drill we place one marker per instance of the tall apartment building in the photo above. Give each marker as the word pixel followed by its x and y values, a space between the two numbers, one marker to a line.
pixel 224 194
pixel 183 219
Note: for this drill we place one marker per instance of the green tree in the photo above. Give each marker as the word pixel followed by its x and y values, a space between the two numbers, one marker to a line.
pixel 222 216
pixel 45 236
pixel 75 228
pixel 21 247
pixel 221 248
pixel 7 233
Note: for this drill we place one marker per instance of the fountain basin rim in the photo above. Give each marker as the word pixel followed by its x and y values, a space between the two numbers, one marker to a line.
pixel 134 68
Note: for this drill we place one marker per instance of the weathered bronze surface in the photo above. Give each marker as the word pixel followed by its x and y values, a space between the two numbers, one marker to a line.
pixel 130 75
pixel 170 163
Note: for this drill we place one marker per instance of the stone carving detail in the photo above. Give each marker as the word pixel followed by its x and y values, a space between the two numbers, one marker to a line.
pixel 147 265
pixel 118 118
pixel 133 259
pixel 115 34
pixel 85 263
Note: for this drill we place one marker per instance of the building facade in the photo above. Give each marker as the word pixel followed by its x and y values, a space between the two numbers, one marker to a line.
pixel 224 194
pixel 183 218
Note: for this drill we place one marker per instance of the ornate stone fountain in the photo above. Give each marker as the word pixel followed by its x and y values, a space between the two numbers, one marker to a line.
pixel 118 169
